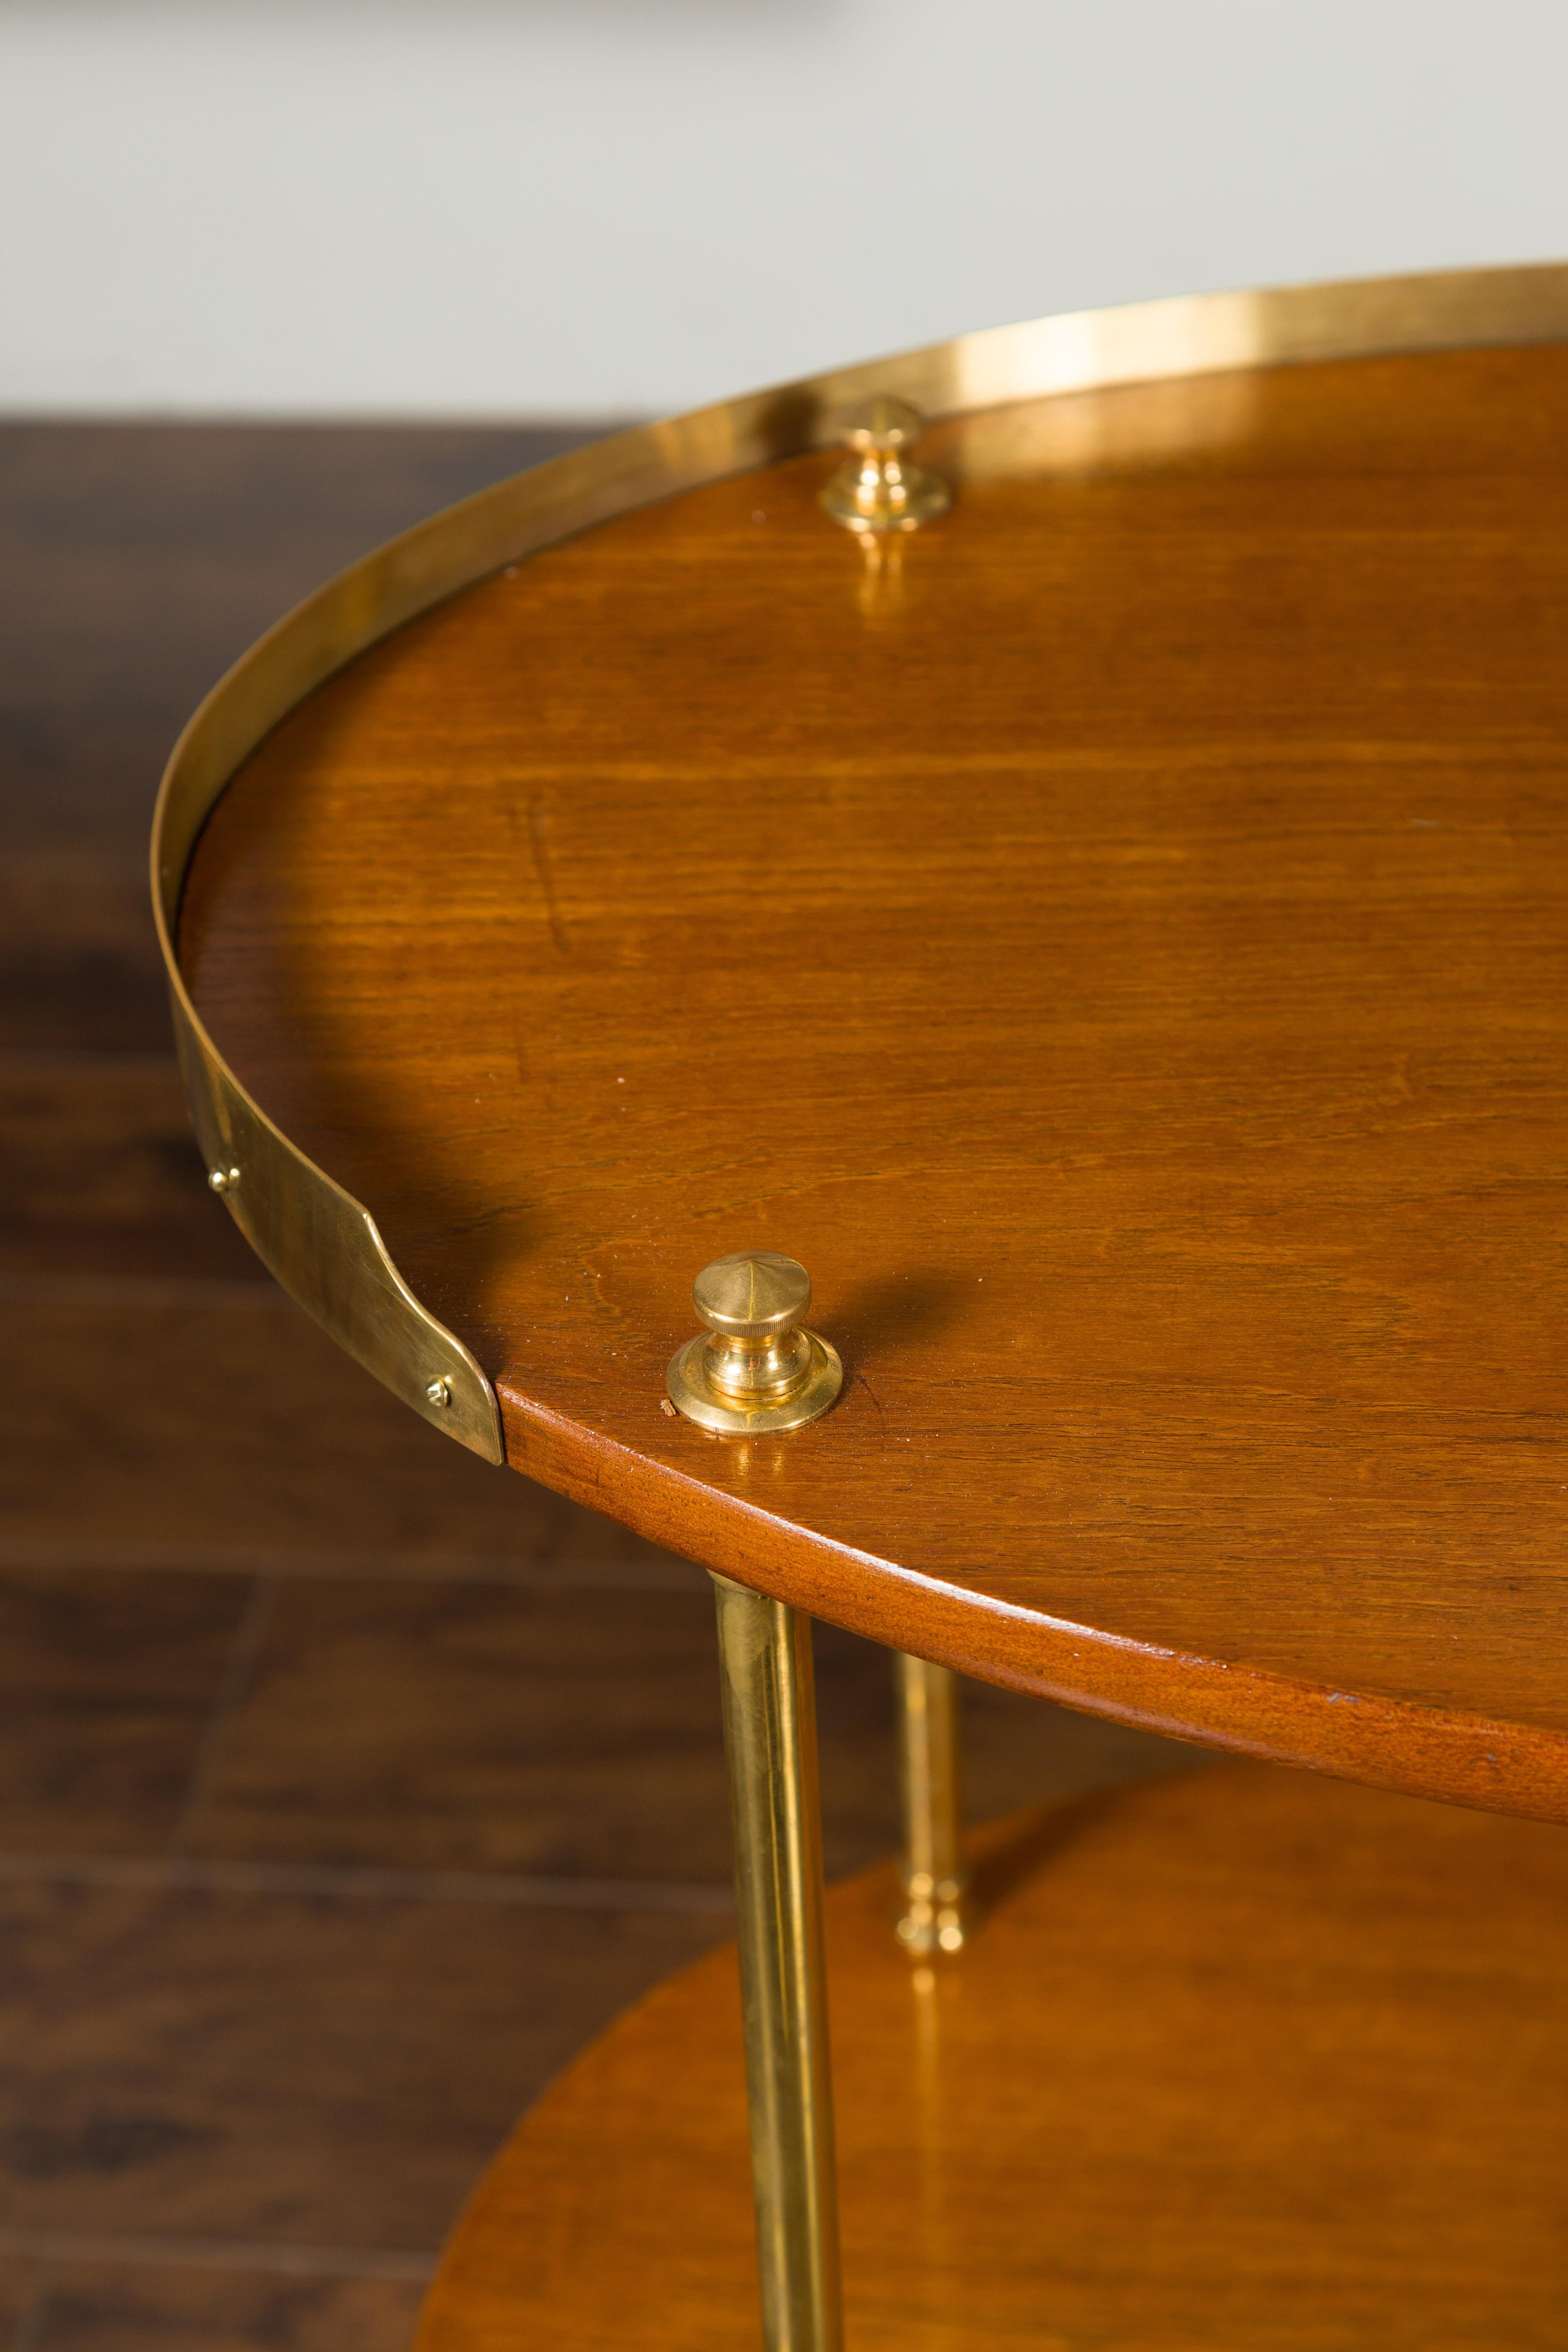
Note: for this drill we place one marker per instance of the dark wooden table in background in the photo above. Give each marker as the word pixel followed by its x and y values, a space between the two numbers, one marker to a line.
pixel 336 1812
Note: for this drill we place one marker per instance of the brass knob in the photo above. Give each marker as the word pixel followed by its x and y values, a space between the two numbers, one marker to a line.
pixel 754 1369
pixel 881 488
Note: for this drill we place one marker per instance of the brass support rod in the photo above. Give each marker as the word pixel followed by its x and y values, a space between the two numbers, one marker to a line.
pixel 770 1732
pixel 934 1874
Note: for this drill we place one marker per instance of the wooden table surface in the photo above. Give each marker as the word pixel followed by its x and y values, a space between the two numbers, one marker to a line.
pixel 1119 944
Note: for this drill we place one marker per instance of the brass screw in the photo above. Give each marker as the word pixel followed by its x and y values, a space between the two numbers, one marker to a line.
pixel 224 1179
pixel 881 488
pixel 755 1369
pixel 440 1392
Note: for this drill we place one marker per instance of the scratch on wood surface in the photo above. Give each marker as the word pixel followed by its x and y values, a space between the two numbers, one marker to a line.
pixel 876 1400
pixel 539 841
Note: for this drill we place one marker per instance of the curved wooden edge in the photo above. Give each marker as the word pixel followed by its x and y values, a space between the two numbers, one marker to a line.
pixel 323 1246
pixel 1368 1738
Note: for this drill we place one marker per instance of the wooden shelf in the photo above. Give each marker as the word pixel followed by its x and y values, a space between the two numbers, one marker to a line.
pixel 1241 2061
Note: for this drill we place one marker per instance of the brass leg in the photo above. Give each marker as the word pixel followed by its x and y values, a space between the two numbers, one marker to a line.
pixel 933 1873
pixel 770 1731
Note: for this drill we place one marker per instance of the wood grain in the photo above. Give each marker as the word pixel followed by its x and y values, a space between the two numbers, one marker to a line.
pixel 96 1175
pixel 108 1680
pixel 1237 2062
pixel 279 2069
pixel 89 2306
pixel 1120 945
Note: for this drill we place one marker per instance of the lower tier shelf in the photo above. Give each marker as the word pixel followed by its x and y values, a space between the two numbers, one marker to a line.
pixel 1237 2062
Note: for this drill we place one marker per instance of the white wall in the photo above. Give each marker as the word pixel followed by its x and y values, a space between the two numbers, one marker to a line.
pixel 553 208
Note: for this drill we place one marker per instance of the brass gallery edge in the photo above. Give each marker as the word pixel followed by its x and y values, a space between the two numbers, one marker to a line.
pixel 320 1242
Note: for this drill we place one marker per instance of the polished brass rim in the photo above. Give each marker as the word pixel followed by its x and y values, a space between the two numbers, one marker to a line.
pixel 320 1244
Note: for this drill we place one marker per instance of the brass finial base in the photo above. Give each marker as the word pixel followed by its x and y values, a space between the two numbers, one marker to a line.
pixel 754 1372
pixel 880 489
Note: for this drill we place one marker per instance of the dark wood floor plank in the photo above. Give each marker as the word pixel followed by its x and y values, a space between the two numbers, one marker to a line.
pixel 467 1727
pixel 21 2287
pixel 107 2307
pixel 99 1174
pixel 444 1726
pixel 288 2069
pixel 107 1681
pixel 146 1418
pixel 76 943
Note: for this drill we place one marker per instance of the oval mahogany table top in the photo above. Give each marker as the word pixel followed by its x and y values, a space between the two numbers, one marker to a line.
pixel 1117 940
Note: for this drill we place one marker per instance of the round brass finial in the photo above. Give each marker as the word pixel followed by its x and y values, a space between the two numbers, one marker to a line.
pixel 752 1294
pixel 754 1370
pixel 881 488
